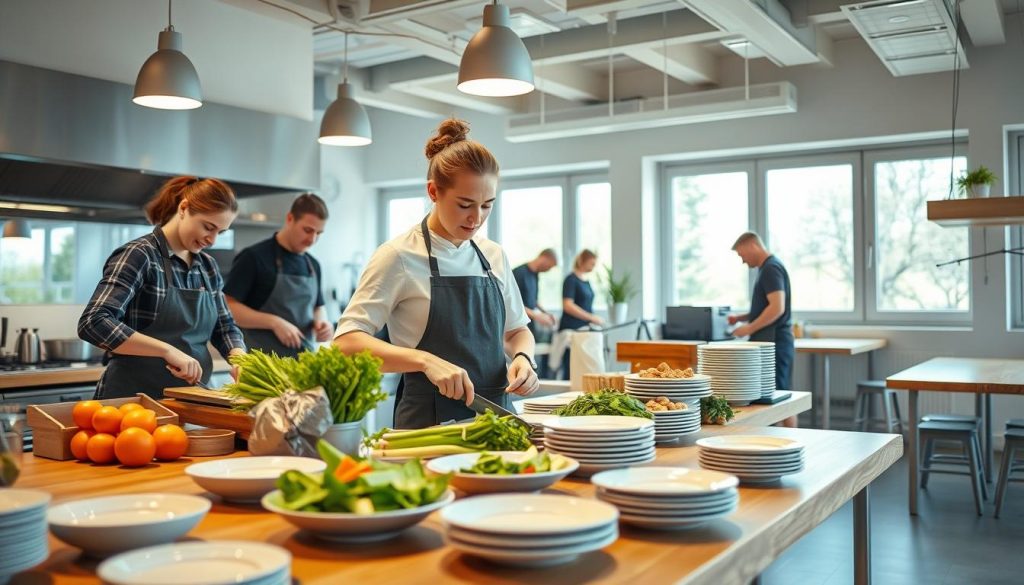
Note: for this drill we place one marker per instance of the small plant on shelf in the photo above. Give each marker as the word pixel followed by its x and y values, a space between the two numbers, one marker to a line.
pixel 976 183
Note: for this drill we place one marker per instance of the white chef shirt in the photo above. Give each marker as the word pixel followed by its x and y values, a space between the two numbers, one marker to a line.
pixel 394 290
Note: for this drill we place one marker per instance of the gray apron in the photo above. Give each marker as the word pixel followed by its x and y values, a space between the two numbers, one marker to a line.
pixel 465 326
pixel 185 319
pixel 293 298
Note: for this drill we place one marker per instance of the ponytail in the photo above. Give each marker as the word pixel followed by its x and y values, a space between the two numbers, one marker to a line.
pixel 202 196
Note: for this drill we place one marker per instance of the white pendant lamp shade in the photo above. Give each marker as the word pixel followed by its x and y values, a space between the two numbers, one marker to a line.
pixel 167 80
pixel 17 228
pixel 496 62
pixel 345 121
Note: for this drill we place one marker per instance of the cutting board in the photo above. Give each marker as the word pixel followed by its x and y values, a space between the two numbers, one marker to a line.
pixel 215 417
pixel 200 395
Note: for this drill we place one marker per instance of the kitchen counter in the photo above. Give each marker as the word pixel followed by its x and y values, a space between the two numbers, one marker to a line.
pixel 84 374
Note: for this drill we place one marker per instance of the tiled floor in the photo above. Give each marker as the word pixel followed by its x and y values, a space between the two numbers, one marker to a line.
pixel 946 544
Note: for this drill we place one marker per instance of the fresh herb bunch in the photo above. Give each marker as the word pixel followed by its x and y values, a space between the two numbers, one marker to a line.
pixel 608 402
pixel 715 410
pixel 260 376
pixel 486 432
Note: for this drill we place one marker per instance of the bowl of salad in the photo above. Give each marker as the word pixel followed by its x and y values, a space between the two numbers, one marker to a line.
pixel 503 471
pixel 356 500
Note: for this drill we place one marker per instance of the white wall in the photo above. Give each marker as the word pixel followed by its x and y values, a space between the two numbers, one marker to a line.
pixel 243 58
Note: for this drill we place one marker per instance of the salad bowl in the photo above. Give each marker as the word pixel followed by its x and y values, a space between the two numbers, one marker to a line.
pixel 489 481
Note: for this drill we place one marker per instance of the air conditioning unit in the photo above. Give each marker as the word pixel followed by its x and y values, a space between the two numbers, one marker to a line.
pixel 909 36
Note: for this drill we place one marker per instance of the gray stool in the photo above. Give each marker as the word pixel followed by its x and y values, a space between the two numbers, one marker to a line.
pixel 966 434
pixel 1014 441
pixel 953 418
pixel 1015 423
pixel 867 390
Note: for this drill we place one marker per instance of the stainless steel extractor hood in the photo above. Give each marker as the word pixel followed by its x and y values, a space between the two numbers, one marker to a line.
pixel 78 141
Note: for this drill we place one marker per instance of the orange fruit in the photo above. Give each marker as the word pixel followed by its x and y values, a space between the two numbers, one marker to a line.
pixel 100 448
pixel 107 420
pixel 134 447
pixel 83 411
pixel 171 442
pixel 129 406
pixel 143 418
pixel 78 443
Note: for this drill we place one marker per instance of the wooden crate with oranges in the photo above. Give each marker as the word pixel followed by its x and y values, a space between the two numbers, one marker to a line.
pixel 130 431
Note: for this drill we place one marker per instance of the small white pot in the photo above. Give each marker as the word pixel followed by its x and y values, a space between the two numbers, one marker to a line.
pixel 980 190
pixel 619 313
pixel 345 436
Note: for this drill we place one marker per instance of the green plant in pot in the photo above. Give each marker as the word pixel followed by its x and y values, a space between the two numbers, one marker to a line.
pixel 620 291
pixel 976 183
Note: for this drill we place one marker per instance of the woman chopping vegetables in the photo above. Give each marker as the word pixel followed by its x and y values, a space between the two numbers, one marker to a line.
pixel 446 295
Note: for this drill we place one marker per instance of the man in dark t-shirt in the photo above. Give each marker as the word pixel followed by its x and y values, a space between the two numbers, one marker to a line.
pixel 769 316
pixel 527 278
pixel 275 287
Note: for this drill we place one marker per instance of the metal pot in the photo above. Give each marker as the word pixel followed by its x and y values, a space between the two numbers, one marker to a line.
pixel 28 347
pixel 71 349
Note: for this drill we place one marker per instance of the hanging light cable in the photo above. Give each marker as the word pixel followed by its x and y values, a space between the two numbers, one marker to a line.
pixel 168 80
pixel 345 121
pixel 496 62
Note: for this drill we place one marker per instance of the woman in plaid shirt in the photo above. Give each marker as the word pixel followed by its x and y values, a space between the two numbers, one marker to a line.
pixel 160 301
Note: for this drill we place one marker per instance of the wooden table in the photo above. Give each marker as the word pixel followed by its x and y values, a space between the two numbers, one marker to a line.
pixel 826 347
pixel 840 466
pixel 982 377
pixel 82 374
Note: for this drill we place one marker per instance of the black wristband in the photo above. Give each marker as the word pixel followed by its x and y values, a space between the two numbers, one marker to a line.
pixel 529 360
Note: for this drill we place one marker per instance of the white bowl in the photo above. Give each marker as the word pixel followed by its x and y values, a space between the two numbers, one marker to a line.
pixel 113 524
pixel 478 483
pixel 247 479
pixel 206 562
pixel 344 527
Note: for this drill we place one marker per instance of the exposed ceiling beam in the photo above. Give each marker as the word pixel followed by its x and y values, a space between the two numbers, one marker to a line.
pixel 446 94
pixel 374 12
pixel 388 99
pixel 687 63
pixel 983 20
pixel 581 8
pixel 769 27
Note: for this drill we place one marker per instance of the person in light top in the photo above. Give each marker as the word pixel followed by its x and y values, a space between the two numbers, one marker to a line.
pixel 454 314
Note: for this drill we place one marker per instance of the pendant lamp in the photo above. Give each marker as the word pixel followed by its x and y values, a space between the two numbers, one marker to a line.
pixel 496 62
pixel 345 122
pixel 167 80
pixel 17 228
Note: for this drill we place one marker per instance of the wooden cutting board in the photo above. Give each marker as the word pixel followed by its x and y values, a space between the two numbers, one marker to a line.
pixel 200 395
pixel 214 417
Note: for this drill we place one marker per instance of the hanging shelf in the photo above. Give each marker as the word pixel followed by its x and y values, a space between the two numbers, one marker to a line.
pixel 987 212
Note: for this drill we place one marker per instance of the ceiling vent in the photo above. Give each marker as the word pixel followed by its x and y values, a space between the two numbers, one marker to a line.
pixel 638 114
pixel 909 36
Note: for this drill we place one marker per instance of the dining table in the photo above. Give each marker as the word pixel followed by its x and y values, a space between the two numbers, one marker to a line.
pixel 840 466
pixel 979 376
pixel 824 348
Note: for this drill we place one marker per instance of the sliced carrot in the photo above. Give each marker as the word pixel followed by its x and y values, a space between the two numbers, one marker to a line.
pixel 353 473
pixel 344 467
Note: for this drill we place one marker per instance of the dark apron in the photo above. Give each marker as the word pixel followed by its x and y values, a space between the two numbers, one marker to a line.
pixel 185 319
pixel 784 352
pixel 465 326
pixel 293 298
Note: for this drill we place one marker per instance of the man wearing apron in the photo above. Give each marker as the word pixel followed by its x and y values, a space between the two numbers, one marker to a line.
pixel 286 314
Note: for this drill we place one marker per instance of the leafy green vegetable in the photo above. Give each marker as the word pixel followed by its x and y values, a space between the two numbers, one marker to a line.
pixel 493 464
pixel 607 402
pixel 486 432
pixel 8 469
pixel 715 410
pixel 384 487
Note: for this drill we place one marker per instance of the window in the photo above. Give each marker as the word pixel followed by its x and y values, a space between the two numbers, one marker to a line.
pixel 403 214
pixel 40 269
pixel 530 220
pixel 708 210
pixel 594 233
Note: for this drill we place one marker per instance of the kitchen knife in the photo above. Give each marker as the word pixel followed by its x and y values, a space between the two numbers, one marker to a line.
pixel 481 405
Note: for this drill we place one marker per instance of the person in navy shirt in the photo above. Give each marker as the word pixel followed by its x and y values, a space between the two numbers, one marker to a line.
pixel 528 279
pixel 578 300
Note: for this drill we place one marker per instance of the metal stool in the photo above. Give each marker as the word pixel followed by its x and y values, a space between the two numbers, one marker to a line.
pixel 867 390
pixel 1015 423
pixel 966 434
pixel 1014 439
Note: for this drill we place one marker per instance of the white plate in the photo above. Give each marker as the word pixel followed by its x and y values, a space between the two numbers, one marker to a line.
pixel 537 557
pixel 750 444
pixel 741 470
pixel 653 523
pixel 15 503
pixel 247 479
pixel 698 514
pixel 656 502
pixel 26 562
pixel 531 541
pixel 539 514
pixel 760 459
pixel 196 563
pixel 599 424
pixel 113 524
pixel 584 457
pixel 589 469
pixel 551 401
pixel 638 379
pixel 345 527
pixel 665 481
pixel 615 447
pixel 476 483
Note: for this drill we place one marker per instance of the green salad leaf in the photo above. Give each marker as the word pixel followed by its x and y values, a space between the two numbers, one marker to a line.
pixel 604 402
pixel 532 462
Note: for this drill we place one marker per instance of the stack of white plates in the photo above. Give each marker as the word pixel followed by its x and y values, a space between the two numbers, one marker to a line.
pixel 675 389
pixel 767 349
pixel 601 442
pixel 535 530
pixel 200 563
pixel 735 370
pixel 545 404
pixel 753 458
pixel 668 498
pixel 23 542
pixel 670 425
pixel 537 435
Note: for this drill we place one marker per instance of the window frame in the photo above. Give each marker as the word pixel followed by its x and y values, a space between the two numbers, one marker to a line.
pixel 384 198
pixel 46 282
pixel 1014 235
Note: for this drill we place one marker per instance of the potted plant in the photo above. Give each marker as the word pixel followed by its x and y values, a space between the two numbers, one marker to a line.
pixel 620 290
pixel 977 183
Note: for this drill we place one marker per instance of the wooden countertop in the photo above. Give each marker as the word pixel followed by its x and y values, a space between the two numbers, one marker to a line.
pixel 90 374
pixel 730 550
pixel 835 345
pixel 945 374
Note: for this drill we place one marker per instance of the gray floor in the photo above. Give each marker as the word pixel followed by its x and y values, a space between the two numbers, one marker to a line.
pixel 946 544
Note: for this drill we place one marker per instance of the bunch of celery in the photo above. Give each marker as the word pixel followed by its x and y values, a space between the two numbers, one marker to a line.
pixel 487 432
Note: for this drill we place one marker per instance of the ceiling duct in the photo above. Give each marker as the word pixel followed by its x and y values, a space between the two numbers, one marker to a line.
pixel 765 23
pixel 911 37
pixel 638 114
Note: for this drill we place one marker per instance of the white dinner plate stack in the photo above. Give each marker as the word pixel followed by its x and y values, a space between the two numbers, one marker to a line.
pixel 668 498
pixel 535 530
pixel 735 370
pixel 537 435
pixel 237 562
pixel 23 538
pixel 752 458
pixel 545 404
pixel 767 349
pixel 675 389
pixel 670 425
pixel 601 442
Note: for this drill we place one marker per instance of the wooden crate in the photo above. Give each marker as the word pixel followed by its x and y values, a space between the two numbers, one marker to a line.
pixel 648 354
pixel 53 426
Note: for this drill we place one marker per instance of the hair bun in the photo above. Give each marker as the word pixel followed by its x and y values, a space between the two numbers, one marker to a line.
pixel 449 132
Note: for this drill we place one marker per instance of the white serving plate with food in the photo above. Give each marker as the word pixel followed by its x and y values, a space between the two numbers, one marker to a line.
pixel 479 483
pixel 247 479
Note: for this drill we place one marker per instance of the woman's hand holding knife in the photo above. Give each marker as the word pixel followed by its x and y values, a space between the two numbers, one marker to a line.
pixel 451 380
